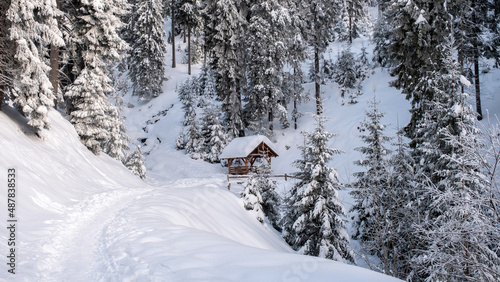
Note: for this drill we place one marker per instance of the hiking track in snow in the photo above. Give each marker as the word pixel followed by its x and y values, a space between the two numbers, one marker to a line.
pixel 73 251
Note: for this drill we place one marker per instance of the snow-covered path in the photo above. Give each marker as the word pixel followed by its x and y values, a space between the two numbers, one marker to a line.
pixel 73 252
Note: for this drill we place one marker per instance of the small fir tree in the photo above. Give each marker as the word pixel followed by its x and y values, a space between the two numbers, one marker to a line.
pixel 261 197
pixel 195 142
pixel 252 199
pixel 188 96
pixel 118 140
pixel 314 223
pixel 135 163
pixel 180 142
pixel 347 74
pixel 214 136
pixel 371 183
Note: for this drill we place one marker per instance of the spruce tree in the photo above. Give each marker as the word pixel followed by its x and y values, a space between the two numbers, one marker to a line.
pixel 296 55
pixel 346 74
pixel 314 223
pixel 397 247
pixel 7 45
pixel 382 36
pixel 320 17
pixel 214 137
pixel 260 196
pixel 354 20
pixel 372 183
pixel 224 30
pixel 187 93
pixel 147 53
pixel 33 26
pixel 266 53
pixel 195 143
pixel 118 140
pixel 207 86
pixel 455 239
pixel 88 94
pixel 135 163
pixel 252 198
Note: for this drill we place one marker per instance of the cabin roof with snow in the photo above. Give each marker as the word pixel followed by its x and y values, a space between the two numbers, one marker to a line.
pixel 241 147
pixel 242 152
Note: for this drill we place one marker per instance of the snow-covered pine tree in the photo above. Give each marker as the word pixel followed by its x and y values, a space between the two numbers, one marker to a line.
pixel 87 95
pixel 457 239
pixel 320 17
pixel 7 45
pixel 214 137
pixel 260 196
pixel 180 142
pixel 187 93
pixel 90 108
pixel 206 84
pixel 314 223
pixel 195 145
pixel 271 201
pixel 252 199
pixel 296 55
pixel 347 74
pixel 420 27
pixel 396 249
pixel 148 48
pixel 474 38
pixel 135 163
pixel 355 19
pixel 266 58
pixel 118 140
pixel 372 183
pixel 189 14
pixel 33 26
pixel 224 30
pixel 382 36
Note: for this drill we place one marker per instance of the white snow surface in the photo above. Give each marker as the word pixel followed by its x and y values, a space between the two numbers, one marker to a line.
pixel 243 146
pixel 83 217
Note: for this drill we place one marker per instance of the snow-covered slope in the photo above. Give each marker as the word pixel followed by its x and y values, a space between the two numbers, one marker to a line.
pixel 86 218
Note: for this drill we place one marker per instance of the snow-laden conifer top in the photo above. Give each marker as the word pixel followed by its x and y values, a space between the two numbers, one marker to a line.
pixel 242 146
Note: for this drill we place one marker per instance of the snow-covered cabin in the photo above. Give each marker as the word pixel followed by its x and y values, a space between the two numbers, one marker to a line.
pixel 243 152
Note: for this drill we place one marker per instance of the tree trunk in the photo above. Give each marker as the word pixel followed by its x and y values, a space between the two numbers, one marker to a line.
pixel 173 36
pixel 295 98
pixel 270 119
pixel 295 110
pixel 54 71
pixel 184 37
pixel 478 86
pixel 319 107
pixel 189 51
pixel 240 111
pixel 1 96
pixel 476 66
pixel 350 29
pixel 461 62
pixel 54 62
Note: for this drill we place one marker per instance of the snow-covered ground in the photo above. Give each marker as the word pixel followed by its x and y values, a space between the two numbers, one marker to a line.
pixel 86 218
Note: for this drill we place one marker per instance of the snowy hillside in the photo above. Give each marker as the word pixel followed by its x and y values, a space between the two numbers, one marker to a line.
pixel 86 218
